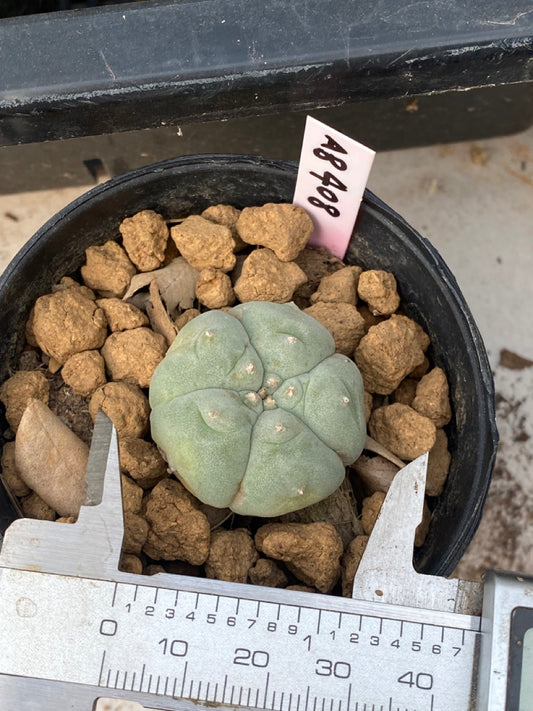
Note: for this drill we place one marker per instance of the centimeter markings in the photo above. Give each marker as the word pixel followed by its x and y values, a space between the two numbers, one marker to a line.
pixel 283 653
pixel 264 628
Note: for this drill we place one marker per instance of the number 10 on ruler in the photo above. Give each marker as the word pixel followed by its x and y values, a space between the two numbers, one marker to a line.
pixel 332 177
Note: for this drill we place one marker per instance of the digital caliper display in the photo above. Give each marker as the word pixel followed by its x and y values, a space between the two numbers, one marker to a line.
pixel 520 672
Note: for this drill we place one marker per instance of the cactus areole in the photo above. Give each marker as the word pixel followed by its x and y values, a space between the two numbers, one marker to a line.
pixel 255 411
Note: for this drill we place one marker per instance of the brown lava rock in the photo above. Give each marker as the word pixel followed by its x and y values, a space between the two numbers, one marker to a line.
pixel 406 391
pixel 70 407
pixel 231 555
pixel 370 510
pixel 389 352
pixel 10 474
pixel 133 355
pixel 369 401
pixel 130 564
pixel 350 562
pixel 108 269
pixel 421 369
pixel 84 372
pixel 70 283
pixel 28 330
pixel 267 572
pixel 432 397
pixel 222 214
pixel 132 494
pixel 284 228
pixel 438 465
pixel 122 315
pixel 214 289
pixel 204 243
pixel 368 317
pixel 144 237
pixel 402 430
pixel 17 391
pixel 185 317
pixel 343 321
pixel 126 406
pixel 379 290
pixel 339 287
pixel 177 528
pixel 34 507
pixel 135 533
pixel 68 322
pixel 316 263
pixel 142 461
pixel 311 551
pixel 225 215
pixel 153 569
pixel 265 278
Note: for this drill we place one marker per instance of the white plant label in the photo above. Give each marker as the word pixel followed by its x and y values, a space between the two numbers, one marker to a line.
pixel 331 180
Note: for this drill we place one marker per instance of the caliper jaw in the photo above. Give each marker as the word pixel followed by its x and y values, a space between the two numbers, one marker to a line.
pixel 90 547
pixel 386 573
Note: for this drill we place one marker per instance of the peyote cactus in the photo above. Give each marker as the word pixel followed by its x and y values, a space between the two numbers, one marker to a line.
pixel 255 411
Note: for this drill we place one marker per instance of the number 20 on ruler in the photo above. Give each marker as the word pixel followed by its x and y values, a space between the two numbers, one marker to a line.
pixel 332 176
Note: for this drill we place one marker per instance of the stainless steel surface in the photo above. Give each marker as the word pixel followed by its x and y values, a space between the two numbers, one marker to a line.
pixel 386 573
pixel 26 694
pixel 283 651
pixel 504 593
pixel 107 704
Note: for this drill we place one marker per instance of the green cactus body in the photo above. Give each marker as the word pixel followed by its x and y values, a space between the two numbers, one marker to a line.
pixel 255 411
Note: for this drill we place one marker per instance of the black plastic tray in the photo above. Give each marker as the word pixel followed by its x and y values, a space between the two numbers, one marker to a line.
pixel 137 65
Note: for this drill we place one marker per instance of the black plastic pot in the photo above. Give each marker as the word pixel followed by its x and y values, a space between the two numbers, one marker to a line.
pixel 428 290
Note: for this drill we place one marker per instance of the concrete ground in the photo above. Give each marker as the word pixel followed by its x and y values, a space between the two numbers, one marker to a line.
pixel 474 202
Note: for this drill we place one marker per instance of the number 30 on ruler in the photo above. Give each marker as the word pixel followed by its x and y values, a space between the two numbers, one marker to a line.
pixel 332 176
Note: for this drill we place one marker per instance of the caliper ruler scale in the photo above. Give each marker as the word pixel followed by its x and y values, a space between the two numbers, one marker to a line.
pixel 75 629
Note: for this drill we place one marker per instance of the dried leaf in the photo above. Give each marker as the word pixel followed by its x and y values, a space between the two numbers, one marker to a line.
pixel 176 282
pixel 51 459
pixel 376 473
pixel 159 318
pixel 372 446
